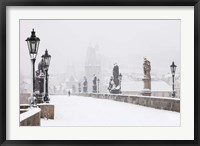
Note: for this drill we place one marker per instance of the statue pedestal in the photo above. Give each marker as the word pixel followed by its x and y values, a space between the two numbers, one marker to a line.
pixel 85 89
pixel 147 87
pixel 94 89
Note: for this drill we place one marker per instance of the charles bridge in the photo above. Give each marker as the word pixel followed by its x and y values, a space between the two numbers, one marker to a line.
pixel 35 106
pixel 46 110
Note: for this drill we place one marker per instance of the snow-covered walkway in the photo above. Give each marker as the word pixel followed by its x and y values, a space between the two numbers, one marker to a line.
pixel 87 111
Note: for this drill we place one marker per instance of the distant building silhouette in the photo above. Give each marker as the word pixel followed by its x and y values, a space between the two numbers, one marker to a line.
pixel 92 65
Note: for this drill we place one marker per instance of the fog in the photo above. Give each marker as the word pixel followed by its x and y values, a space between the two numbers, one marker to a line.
pixel 123 41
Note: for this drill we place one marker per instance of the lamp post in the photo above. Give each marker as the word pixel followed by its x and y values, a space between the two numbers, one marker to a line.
pixel 33 45
pixel 173 70
pixel 120 80
pixel 47 59
pixel 98 80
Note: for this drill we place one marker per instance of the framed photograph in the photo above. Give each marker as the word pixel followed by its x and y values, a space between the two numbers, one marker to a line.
pixel 99 72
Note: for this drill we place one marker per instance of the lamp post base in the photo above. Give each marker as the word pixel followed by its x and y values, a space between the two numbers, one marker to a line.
pixel 173 94
pixel 46 99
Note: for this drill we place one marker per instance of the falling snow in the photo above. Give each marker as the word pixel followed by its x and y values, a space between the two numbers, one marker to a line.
pixel 88 111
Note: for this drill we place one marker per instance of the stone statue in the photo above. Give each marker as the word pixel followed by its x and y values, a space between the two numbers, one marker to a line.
pixel 85 84
pixel 95 84
pixel 95 81
pixel 111 83
pixel 115 81
pixel 147 78
pixel 147 68
pixel 41 66
pixel 39 81
pixel 116 74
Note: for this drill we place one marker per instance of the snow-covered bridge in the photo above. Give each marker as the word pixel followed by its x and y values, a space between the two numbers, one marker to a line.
pixel 87 111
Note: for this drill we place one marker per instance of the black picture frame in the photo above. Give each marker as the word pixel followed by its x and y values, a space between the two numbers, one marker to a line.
pixel 5 3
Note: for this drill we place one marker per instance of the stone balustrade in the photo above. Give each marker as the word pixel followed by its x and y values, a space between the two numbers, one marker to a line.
pixel 30 117
pixel 47 109
pixel 165 103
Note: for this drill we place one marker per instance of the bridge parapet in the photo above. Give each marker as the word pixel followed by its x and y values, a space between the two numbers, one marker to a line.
pixel 31 117
pixel 165 103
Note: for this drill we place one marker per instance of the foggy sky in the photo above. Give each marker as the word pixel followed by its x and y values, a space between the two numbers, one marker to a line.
pixel 123 41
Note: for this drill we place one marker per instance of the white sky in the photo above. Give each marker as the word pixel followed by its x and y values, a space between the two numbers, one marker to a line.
pixel 123 41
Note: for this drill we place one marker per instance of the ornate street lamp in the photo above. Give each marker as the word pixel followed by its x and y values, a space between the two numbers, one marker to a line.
pixel 173 70
pixel 47 59
pixel 33 45
pixel 98 80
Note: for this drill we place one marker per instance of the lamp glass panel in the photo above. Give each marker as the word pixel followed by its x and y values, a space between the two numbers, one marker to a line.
pixel 171 69
pixel 29 48
pixel 33 46
pixel 37 45
pixel 175 69
pixel 47 61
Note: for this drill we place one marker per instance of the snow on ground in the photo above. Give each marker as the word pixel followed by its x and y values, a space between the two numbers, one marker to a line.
pixel 88 111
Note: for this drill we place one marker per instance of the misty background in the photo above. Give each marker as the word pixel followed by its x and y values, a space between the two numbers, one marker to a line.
pixel 124 42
